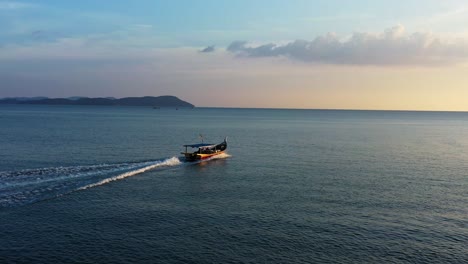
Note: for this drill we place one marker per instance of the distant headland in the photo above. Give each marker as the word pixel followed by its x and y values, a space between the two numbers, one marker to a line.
pixel 158 101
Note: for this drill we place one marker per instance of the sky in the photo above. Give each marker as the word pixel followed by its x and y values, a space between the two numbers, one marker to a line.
pixel 333 54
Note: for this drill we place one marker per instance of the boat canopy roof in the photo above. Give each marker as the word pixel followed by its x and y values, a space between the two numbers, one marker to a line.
pixel 201 145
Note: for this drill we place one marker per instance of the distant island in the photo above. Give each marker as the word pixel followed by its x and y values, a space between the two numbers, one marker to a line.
pixel 159 101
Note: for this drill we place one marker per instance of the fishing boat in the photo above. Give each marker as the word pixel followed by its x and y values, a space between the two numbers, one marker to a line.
pixel 205 150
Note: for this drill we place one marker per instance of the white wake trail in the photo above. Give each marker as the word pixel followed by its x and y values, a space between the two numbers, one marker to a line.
pixel 32 185
pixel 165 163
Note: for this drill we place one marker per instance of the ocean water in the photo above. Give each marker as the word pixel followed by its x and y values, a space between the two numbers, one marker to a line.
pixel 85 184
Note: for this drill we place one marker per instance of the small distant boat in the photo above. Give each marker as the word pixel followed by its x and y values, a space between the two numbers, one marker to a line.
pixel 205 150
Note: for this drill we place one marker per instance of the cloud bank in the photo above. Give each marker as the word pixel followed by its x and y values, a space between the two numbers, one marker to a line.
pixel 208 49
pixel 391 47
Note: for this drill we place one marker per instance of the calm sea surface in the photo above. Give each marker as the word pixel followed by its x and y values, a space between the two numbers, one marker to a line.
pixel 85 184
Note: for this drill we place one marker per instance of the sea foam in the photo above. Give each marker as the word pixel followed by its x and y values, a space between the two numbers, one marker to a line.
pixel 32 185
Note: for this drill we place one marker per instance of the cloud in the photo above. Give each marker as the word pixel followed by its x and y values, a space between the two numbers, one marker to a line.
pixel 391 47
pixel 146 26
pixel 208 49
pixel 9 5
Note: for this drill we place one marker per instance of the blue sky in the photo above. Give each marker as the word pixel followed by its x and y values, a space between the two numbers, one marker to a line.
pixel 290 49
pixel 206 22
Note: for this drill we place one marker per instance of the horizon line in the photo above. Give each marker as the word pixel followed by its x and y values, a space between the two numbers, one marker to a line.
pixel 263 108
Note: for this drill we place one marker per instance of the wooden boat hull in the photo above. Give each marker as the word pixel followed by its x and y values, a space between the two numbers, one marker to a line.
pixel 198 156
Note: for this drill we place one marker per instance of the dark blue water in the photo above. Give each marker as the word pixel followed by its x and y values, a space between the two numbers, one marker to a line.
pixel 84 184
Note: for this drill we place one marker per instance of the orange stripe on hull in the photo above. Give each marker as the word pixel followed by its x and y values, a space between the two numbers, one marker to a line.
pixel 190 156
